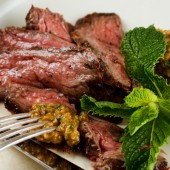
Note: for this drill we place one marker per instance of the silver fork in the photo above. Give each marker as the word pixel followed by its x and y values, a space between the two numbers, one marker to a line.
pixel 16 128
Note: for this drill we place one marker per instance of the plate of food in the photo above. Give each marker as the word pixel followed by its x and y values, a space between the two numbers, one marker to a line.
pixel 98 71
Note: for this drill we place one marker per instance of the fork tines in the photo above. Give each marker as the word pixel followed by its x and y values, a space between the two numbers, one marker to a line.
pixel 18 128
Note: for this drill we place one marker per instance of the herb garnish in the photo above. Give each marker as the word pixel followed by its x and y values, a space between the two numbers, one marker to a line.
pixel 147 107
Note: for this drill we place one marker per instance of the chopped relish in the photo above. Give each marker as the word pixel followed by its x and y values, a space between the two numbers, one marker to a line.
pixel 63 118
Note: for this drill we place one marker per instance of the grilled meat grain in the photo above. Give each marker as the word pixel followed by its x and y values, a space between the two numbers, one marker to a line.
pixel 69 70
pixel 13 38
pixel 102 143
pixel 20 98
pixel 44 20
pixel 103 34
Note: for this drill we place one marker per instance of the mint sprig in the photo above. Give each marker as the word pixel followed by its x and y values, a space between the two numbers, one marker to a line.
pixel 142 49
pixel 140 97
pixel 148 107
pixel 141 149
pixel 105 108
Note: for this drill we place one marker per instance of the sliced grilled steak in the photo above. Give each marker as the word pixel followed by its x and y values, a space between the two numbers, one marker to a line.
pixel 13 76
pixel 105 27
pixel 69 70
pixel 103 148
pixel 19 38
pixel 102 144
pixel 103 33
pixel 20 98
pixel 44 20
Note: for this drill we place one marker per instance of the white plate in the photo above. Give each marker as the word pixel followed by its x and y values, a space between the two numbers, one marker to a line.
pixel 132 12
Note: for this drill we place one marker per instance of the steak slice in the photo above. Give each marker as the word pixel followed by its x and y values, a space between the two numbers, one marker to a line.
pixel 69 70
pixel 102 144
pixel 19 38
pixel 20 98
pixel 105 27
pixel 103 33
pixel 103 148
pixel 44 20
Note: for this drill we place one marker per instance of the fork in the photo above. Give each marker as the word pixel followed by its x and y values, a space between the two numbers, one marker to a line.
pixel 16 128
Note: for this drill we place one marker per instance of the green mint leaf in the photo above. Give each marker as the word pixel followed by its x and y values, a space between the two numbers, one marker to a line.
pixel 94 107
pixel 142 48
pixel 140 97
pixel 141 149
pixel 142 116
pixel 155 83
pixel 146 45
pixel 149 126
pixel 164 106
